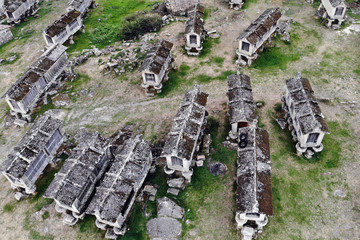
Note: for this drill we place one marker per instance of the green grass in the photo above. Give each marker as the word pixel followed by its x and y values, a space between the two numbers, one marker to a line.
pixel 45 107
pixel 29 225
pixel 111 14
pixel 176 77
pixel 9 207
pixel 137 225
pixel 46 215
pixel 273 59
pixel 247 4
pixel 208 44
pixel 72 88
pixel 182 77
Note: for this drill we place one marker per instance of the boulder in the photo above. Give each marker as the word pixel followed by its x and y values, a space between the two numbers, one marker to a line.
pixel 217 168
pixel 176 183
pixel 162 228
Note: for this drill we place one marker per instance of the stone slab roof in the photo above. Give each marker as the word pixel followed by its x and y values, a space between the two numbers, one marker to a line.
pixel 156 57
pixel 119 184
pixel 60 25
pixel 336 3
pixel 261 25
pixel 12 5
pixel 24 84
pixel 254 192
pixel 29 147
pixel 183 136
pixel 196 20
pixel 307 109
pixel 241 102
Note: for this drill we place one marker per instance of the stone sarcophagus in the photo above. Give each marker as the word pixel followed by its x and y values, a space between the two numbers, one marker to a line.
pixel 33 153
pixel 116 194
pixel 63 29
pixel 25 93
pixel 257 35
pixel 186 134
pixel 304 116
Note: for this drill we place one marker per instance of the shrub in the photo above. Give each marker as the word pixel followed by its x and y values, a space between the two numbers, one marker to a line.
pixel 139 24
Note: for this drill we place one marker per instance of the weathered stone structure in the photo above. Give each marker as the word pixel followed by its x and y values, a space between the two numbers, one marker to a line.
pixel 194 32
pixel 180 7
pixel 155 68
pixel 116 194
pixel 5 34
pixel 33 153
pixel 63 29
pixel 254 192
pixel 18 10
pixel 24 95
pixel 74 184
pixel 303 114
pixel 257 36
pixel 80 5
pixel 236 4
pixel 186 133
pixel 332 12
pixel 242 110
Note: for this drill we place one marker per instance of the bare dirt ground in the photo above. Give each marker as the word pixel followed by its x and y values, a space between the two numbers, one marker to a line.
pixel 119 101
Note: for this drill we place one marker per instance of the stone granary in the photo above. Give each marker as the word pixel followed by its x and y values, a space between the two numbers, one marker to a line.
pixel 116 194
pixel 17 10
pixel 155 68
pixel 80 5
pixel 32 154
pixel 194 31
pixel 186 134
pixel 306 122
pixel 63 29
pixel 254 192
pixel 236 4
pixel 24 95
pixel 242 110
pixel 74 184
pixel 180 7
pixel 332 12
pixel 5 34
pixel 257 35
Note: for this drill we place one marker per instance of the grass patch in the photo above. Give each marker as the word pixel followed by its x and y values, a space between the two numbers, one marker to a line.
pixel 46 215
pixel 9 207
pixel 273 59
pixel 43 109
pixel 208 44
pixel 137 225
pixel 176 77
pixel 29 225
pixel 247 3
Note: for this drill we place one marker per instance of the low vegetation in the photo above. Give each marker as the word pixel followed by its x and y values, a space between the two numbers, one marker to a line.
pixel 103 23
pixel 9 207
pixel 139 24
